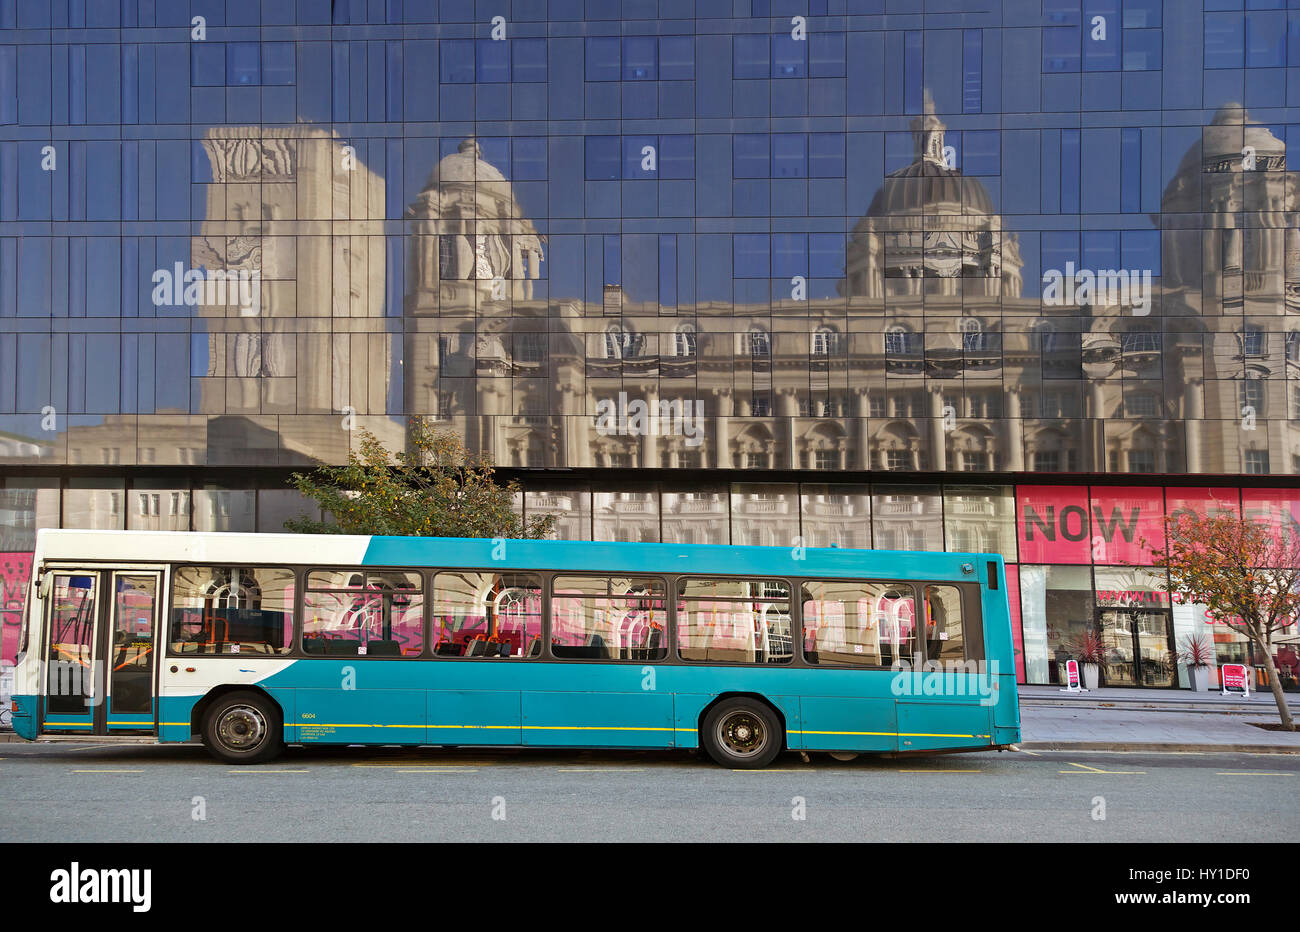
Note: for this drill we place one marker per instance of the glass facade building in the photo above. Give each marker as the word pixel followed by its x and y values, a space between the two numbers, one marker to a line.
pixel 911 274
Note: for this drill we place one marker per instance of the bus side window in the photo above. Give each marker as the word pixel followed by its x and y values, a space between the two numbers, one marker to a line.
pixel 943 623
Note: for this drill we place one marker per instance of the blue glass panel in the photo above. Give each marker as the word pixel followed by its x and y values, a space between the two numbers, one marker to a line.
pixel 676 156
pixel 826 155
pixel 243 63
pixel 752 255
pixel 1265 40
pixel 1225 40
pixel 1142 49
pixel 972 71
pixel 603 163
pixel 529 60
pixel 278 63
pixel 456 61
pixel 603 60
pixel 981 152
pixel 750 157
pixel 492 65
pixel 208 64
pixel 752 57
pixel 789 57
pixel 639 59
pixel 1061 48
pixel 789 155
pixel 677 58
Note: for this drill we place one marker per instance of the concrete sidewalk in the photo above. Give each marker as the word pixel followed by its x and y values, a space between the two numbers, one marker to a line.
pixel 1179 700
pixel 1101 721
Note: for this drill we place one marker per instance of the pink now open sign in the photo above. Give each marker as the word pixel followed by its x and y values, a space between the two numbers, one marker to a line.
pixel 1233 677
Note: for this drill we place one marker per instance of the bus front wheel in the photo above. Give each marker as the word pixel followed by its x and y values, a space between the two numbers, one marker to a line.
pixel 243 728
pixel 742 733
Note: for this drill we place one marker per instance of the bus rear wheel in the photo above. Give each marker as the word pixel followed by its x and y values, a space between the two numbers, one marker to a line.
pixel 243 728
pixel 742 733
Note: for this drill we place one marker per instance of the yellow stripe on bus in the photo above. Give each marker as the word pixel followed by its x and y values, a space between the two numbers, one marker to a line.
pixel 793 731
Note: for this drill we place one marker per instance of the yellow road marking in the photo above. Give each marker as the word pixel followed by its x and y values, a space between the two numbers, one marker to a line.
pixel 1087 769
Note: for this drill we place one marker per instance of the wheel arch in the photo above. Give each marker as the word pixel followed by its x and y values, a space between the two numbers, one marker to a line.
pixel 201 707
pixel 740 694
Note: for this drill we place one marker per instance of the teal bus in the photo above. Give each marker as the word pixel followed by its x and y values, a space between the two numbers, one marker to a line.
pixel 250 642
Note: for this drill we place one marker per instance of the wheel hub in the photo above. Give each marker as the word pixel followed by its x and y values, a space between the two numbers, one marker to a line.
pixel 242 728
pixel 743 734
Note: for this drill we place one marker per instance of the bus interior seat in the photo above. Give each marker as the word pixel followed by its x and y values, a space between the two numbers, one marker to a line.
pixel 384 649
pixel 342 647
pixel 535 648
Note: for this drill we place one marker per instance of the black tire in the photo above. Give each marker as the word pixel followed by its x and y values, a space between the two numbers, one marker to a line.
pixel 243 728
pixel 742 734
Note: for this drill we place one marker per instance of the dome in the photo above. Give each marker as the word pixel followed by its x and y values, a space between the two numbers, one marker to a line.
pixel 1222 142
pixel 927 185
pixel 929 221
pixel 465 165
pixel 924 185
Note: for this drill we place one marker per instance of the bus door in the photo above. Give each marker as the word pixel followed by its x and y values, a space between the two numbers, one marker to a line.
pixel 101 628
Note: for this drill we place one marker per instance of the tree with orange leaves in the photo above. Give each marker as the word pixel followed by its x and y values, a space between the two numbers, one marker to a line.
pixel 1246 573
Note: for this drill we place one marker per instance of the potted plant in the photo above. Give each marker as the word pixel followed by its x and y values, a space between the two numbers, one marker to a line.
pixel 1092 654
pixel 1197 654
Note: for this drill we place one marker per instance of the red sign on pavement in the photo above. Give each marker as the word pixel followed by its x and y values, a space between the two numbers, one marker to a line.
pixel 1234 678
pixel 1072 674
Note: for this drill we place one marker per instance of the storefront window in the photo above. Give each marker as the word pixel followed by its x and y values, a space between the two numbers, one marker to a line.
pixel 571 507
pixel 98 504
pixel 980 519
pixel 1134 622
pixel 1127 523
pixel 1056 609
pixel 907 517
pixel 629 515
pixel 838 515
pixel 695 515
pixel 217 509
pixel 764 514
pixel 1052 523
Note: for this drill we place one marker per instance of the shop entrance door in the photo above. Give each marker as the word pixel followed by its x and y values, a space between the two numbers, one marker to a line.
pixel 1139 647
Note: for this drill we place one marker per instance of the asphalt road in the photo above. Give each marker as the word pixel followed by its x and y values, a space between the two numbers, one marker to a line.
pixel 77 792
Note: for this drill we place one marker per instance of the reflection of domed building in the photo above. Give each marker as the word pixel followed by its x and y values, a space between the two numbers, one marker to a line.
pixel 1231 275
pixel 929 221
pixel 468 228
pixel 932 360
pixel 1237 188
pixel 472 260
